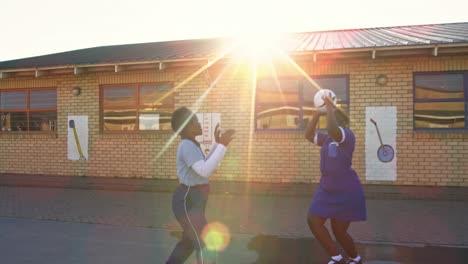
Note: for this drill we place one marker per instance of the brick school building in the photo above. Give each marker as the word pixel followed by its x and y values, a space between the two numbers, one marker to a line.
pixel 106 111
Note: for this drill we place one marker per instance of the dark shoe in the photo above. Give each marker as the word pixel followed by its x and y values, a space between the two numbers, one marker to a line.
pixel 351 261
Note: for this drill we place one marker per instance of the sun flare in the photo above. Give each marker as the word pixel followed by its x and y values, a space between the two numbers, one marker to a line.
pixel 216 236
pixel 260 47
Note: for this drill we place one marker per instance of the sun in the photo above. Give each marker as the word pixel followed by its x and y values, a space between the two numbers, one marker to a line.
pixel 257 46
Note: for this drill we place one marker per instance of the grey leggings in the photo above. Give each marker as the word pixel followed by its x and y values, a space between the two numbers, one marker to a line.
pixel 188 205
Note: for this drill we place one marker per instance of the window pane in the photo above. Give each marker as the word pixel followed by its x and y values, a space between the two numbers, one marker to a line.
pixel 308 111
pixel 337 84
pixel 14 121
pixel 439 86
pixel 120 119
pixel 42 121
pixel 271 91
pixel 119 97
pixel 278 117
pixel 151 95
pixel 43 99
pixel 13 100
pixel 159 119
pixel 440 115
pixel 5 121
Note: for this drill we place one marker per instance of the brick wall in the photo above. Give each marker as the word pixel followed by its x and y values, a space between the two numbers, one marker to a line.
pixel 424 158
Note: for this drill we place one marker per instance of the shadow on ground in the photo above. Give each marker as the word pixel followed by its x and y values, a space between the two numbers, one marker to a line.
pixel 273 249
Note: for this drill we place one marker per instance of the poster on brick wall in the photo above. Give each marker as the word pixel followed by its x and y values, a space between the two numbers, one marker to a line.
pixel 77 137
pixel 381 154
pixel 208 122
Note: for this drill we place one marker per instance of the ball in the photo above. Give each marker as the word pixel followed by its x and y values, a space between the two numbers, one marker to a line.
pixel 319 99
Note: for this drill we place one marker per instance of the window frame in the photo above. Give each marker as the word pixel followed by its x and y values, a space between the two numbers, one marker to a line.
pixel 138 106
pixel 300 103
pixel 464 100
pixel 28 110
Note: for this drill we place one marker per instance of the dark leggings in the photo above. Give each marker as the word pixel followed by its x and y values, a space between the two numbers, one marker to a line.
pixel 188 205
pixel 340 231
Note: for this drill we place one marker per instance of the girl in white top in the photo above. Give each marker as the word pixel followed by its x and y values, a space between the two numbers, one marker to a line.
pixel 190 197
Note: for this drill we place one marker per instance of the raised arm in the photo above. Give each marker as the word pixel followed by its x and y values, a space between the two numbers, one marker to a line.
pixel 206 168
pixel 312 126
pixel 332 125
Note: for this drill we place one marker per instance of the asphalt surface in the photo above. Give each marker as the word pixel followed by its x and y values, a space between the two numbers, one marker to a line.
pixel 41 224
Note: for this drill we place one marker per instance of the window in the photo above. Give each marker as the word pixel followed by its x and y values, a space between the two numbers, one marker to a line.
pixel 137 107
pixel 288 103
pixel 440 100
pixel 28 110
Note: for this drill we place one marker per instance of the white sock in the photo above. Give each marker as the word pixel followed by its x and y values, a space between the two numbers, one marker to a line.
pixel 337 257
pixel 356 259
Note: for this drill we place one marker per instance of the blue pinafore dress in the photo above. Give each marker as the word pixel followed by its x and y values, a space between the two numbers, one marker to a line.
pixel 339 194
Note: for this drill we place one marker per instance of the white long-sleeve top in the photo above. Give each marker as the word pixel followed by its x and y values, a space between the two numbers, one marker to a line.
pixel 193 167
pixel 206 167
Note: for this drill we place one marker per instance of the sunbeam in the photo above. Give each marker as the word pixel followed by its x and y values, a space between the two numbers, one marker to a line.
pixel 308 78
pixel 196 73
pixel 274 73
pixel 301 71
pixel 257 52
pixel 252 118
pixel 195 107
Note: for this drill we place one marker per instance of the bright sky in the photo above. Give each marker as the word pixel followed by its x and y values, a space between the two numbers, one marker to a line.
pixel 32 27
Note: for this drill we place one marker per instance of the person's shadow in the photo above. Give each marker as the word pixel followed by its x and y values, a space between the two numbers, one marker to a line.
pixel 273 249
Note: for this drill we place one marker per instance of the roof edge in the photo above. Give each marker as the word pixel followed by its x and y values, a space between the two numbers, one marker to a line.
pixel 210 58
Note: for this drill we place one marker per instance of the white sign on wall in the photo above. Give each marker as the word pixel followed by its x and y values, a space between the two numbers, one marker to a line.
pixel 77 137
pixel 208 122
pixel 380 161
pixel 149 121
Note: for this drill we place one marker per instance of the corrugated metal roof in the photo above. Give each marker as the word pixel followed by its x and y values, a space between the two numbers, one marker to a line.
pixel 381 37
pixel 401 36
pixel 183 49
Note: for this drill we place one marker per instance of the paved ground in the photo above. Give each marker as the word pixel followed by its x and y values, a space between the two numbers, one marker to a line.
pixel 130 221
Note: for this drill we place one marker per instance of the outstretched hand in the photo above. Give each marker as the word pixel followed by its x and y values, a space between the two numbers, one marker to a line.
pixel 217 133
pixel 224 137
pixel 328 101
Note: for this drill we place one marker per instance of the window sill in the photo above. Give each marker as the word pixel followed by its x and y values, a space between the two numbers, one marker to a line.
pixel 137 134
pixel 440 134
pixel 25 134
pixel 280 134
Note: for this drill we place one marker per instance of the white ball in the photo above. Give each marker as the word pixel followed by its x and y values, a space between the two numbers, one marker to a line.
pixel 319 99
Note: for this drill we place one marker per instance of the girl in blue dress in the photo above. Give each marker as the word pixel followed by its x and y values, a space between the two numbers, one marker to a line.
pixel 339 195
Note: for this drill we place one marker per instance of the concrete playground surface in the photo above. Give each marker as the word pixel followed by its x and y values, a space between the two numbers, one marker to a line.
pixel 87 220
